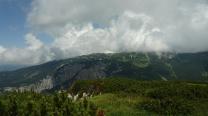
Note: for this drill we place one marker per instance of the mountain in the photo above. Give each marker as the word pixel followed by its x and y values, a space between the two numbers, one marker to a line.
pixel 140 66
pixel 10 67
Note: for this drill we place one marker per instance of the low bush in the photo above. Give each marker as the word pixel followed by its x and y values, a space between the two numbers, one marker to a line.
pixel 168 106
pixel 34 104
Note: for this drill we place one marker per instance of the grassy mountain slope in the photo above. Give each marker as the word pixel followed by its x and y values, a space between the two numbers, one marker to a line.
pixel 141 66
pixel 126 97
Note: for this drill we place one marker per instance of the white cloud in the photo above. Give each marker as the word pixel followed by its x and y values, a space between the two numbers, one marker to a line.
pixel 34 53
pixel 90 26
pixel 179 22
pixel 2 49
pixel 32 42
pixel 129 32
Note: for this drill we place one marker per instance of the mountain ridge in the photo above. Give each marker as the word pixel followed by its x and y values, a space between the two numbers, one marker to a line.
pixel 140 66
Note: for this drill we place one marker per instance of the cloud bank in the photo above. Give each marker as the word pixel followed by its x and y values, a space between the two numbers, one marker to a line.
pixel 34 53
pixel 100 26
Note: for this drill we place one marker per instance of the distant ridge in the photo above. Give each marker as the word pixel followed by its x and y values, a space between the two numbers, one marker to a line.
pixel 140 66
pixel 10 67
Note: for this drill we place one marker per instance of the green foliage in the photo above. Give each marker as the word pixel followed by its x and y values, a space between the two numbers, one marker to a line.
pixel 112 96
pixel 168 106
pixel 176 100
pixel 191 92
pixel 160 97
pixel 34 104
pixel 118 104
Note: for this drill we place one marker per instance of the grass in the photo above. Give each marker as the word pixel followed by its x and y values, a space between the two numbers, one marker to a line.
pixel 119 105
pixel 128 105
pixel 124 97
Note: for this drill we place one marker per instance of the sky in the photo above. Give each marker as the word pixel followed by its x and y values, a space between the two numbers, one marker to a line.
pixel 12 22
pixel 37 31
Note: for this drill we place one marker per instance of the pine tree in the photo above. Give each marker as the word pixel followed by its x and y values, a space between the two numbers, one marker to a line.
pixel 13 109
pixel 2 109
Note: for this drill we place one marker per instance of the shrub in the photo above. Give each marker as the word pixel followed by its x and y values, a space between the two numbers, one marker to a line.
pixel 173 106
pixel 34 104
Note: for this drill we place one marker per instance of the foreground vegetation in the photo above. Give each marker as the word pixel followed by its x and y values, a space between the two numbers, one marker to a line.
pixel 122 97
pixel 34 104
pixel 111 97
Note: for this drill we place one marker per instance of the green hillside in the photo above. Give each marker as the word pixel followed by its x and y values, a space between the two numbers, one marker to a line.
pixel 140 66
pixel 124 97
pixel 111 97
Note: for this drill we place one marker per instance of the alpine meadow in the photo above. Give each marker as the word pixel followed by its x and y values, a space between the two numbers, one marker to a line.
pixel 103 58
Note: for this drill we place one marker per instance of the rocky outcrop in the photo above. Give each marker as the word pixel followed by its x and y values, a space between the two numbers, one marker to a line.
pixel 67 74
pixel 44 84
